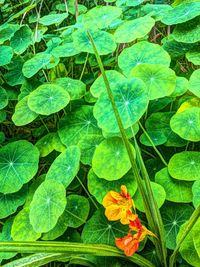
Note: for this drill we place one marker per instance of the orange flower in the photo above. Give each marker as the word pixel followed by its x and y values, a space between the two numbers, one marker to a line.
pixel 143 233
pixel 135 225
pixel 119 206
pixel 129 244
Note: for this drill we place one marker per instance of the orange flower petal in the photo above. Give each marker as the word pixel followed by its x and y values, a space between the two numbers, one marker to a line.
pixel 128 243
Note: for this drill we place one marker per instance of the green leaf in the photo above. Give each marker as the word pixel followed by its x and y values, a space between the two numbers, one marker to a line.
pixel 101 16
pixel 22 230
pixel 176 191
pixel 98 87
pixel 48 99
pixel 193 57
pixel 131 100
pixel 157 11
pixel 185 166
pixel 104 41
pixel 187 249
pixel 75 88
pixel 6 54
pixel 66 166
pixel 14 76
pixel 188 32
pixel 48 204
pixel 5 235
pixel 159 195
pixel 18 165
pixel 141 53
pixel 65 50
pixel 23 114
pixel 87 146
pixel 99 187
pixel 36 63
pixel 186 124
pixel 111 160
pixel 157 137
pixel 77 210
pixel 21 39
pixel 53 19
pixel 195 234
pixel 181 86
pixel 78 124
pixel 7 31
pixel 3 98
pixel 98 230
pixel 10 202
pixel 194 83
pixel 174 215
pixel 45 144
pixel 133 29
pixel 160 80
pixel 182 13
pixel 196 193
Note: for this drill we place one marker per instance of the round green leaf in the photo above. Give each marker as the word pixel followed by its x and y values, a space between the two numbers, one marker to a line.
pixel 18 164
pixel 23 114
pixel 3 98
pixel 77 210
pixel 158 138
pixel 10 202
pixel 188 32
pixel 22 230
pixel 48 99
pixel 48 204
pixel 98 230
pixel 196 193
pixel 140 53
pixel 65 50
pixel 87 146
pixel 176 191
pixel 111 160
pixel 131 99
pixel 99 87
pixel 75 88
pixel 157 11
pixel 100 187
pixel 193 57
pixel 103 41
pixel 21 39
pixel 186 124
pixel 101 16
pixel 194 83
pixel 53 19
pixel 37 62
pixel 7 30
pixel 133 29
pixel 45 144
pixel 77 124
pixel 6 54
pixel 66 166
pixel 181 86
pixel 174 215
pixel 159 79
pixel 185 166
pixel 182 13
pixel 187 249
pixel 195 235
pixel 159 195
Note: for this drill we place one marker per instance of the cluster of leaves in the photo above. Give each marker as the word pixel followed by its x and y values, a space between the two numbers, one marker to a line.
pixel 61 148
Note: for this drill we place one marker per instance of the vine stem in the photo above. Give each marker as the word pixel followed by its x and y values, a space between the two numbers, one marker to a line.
pixel 193 219
pixel 71 249
pixel 151 209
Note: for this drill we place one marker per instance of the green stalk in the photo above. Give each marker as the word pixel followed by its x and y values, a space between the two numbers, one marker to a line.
pixel 193 219
pixel 71 249
pixel 147 195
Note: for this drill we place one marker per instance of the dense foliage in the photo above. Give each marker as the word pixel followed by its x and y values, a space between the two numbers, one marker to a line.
pixel 61 145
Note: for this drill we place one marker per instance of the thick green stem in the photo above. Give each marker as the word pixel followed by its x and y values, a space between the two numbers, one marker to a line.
pixel 71 249
pixel 147 195
pixel 193 219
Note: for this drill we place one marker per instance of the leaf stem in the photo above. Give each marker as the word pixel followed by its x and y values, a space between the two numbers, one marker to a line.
pixel 71 249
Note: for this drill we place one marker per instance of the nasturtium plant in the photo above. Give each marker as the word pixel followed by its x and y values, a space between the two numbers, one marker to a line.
pixel 99 133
